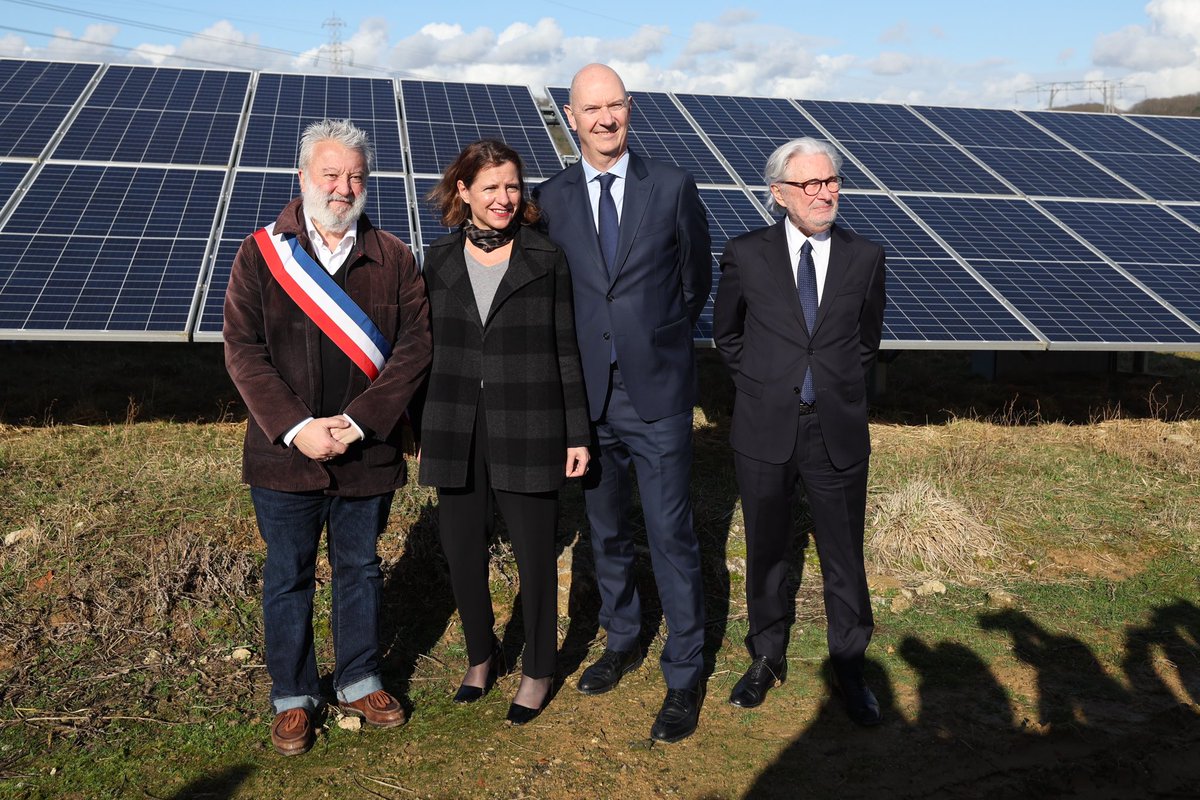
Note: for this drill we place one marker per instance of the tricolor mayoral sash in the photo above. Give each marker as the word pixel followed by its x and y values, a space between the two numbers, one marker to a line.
pixel 323 301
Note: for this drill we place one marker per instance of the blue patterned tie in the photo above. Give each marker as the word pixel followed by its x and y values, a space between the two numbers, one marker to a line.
pixel 806 286
pixel 610 226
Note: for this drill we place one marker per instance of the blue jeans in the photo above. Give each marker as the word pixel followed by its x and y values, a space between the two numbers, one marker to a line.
pixel 291 524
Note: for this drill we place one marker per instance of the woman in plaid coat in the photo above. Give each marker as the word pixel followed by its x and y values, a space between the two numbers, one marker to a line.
pixel 505 414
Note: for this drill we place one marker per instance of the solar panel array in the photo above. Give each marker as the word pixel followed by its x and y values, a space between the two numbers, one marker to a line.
pixel 125 193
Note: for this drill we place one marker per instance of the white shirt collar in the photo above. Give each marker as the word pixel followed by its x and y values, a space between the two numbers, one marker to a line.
pixel 796 239
pixel 619 168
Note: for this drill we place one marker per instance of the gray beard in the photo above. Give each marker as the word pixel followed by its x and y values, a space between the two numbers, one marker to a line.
pixel 316 208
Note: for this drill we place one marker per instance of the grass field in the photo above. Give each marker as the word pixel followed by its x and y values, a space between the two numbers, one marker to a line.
pixel 1034 557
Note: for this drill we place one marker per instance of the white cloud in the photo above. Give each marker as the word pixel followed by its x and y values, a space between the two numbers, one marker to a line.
pixel 898 33
pixel 1163 58
pixel 891 63
pixel 1136 48
pixel 92 44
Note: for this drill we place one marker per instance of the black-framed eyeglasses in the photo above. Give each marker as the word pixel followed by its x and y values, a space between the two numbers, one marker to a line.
pixel 812 187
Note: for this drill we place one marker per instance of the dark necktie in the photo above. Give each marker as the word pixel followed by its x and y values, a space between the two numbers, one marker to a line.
pixel 610 226
pixel 806 286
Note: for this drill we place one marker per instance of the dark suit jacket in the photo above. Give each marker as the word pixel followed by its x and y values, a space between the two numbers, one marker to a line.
pixel 525 357
pixel 661 283
pixel 273 355
pixel 759 329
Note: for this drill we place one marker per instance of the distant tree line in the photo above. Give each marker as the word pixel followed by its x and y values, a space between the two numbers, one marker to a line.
pixel 1183 105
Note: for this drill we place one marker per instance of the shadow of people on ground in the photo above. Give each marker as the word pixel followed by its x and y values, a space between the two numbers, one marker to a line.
pixel 215 787
pixel 961 738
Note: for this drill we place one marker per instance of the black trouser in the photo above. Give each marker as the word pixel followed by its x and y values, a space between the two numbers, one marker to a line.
pixel 464 517
pixel 837 500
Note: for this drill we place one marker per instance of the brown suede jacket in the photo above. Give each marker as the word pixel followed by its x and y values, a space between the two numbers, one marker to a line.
pixel 273 355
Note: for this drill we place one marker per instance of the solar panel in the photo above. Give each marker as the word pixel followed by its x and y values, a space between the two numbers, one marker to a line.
pixel 1065 290
pixel 1100 133
pixel 35 97
pixel 1021 153
pixel 112 250
pixel 443 118
pixel 746 130
pixel 730 213
pixel 931 297
pixel 1165 256
pixel 11 175
pixel 256 200
pixel 158 115
pixel 903 152
pixel 658 129
pixel 429 218
pixel 284 105
pixel 1163 177
pixel 1181 131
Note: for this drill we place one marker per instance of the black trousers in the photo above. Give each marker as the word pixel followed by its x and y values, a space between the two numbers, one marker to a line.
pixel 837 500
pixel 465 522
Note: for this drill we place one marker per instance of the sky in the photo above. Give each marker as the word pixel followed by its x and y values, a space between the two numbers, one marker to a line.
pixel 939 52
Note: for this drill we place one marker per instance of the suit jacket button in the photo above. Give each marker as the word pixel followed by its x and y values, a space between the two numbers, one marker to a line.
pixel 796 390
pixel 810 351
pixel 609 298
pixel 607 336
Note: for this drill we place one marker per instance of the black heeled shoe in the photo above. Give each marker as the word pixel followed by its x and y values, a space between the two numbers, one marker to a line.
pixel 470 694
pixel 519 714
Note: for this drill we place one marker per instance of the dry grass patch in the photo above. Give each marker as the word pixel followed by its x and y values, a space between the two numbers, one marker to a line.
pixel 919 532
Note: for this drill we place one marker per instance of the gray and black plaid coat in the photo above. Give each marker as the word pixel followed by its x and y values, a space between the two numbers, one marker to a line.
pixel 523 364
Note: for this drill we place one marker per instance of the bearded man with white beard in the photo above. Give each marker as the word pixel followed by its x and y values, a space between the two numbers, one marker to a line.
pixel 326 339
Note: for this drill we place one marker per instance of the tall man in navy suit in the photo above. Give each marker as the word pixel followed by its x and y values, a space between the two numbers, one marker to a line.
pixel 798 319
pixel 636 238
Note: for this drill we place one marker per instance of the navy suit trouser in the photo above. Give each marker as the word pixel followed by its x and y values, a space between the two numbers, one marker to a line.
pixel 660 453
pixel 837 500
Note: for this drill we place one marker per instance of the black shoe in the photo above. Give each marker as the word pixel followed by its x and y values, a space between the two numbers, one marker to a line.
pixel 860 702
pixel 519 715
pixel 469 694
pixel 679 715
pixel 608 669
pixel 763 674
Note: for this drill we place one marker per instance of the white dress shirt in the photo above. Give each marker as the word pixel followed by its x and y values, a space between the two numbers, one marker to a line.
pixel 820 253
pixel 617 189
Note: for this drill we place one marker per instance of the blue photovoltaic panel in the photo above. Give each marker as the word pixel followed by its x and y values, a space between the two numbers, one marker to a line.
pixel 657 129
pixel 1065 290
pixel 730 213
pixel 284 105
pixel 158 115
pixel 1100 133
pixel 11 175
pixel 429 218
pixel 1165 255
pixel 256 200
pixel 443 118
pixel 35 97
pixel 1162 177
pixel 930 297
pixel 111 249
pixel 988 127
pixel 746 130
pixel 1021 153
pixel 1181 131
pixel 901 150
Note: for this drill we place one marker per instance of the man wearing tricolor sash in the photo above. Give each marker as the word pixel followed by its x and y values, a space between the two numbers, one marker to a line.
pixel 326 338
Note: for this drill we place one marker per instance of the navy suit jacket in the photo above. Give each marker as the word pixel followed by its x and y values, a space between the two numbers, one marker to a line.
pixel 659 286
pixel 760 332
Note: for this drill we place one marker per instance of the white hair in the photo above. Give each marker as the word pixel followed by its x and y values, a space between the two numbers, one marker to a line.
pixel 342 131
pixel 776 169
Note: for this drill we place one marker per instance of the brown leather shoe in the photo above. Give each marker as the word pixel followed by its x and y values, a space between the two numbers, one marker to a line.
pixel 291 732
pixel 378 709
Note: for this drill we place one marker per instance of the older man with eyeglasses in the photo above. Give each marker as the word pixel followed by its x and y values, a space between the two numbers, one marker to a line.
pixel 798 319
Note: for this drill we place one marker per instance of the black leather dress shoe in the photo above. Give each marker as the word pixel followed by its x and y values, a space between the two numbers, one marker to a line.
pixel 860 701
pixel 763 674
pixel 608 669
pixel 679 715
